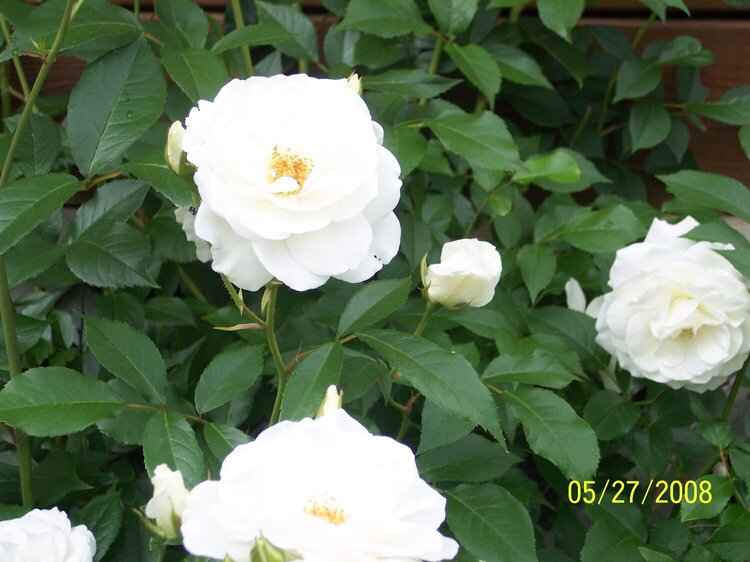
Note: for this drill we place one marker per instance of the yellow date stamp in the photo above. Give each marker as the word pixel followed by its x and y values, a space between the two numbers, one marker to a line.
pixel 635 491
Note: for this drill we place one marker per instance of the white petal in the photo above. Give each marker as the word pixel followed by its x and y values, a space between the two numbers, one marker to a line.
pixel 576 300
pixel 278 261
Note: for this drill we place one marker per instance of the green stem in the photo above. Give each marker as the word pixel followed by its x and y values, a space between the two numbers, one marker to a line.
pixel 6 303
pixel 581 125
pixel 4 91
pixel 429 309
pixel 239 21
pixel 273 345
pixel 611 84
pixel 405 423
pixel 482 203
pixel 192 287
pixel 515 13
pixel 738 379
pixel 435 60
pixel 136 7
pixel 16 61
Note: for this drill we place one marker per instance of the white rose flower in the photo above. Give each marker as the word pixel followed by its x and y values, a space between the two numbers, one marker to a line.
pixel 678 311
pixel 324 490
pixel 45 536
pixel 186 218
pixel 168 502
pixel 294 181
pixel 467 274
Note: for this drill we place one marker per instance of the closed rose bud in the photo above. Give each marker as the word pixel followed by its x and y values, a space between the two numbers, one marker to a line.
pixel 332 401
pixel 168 502
pixel 173 153
pixel 467 274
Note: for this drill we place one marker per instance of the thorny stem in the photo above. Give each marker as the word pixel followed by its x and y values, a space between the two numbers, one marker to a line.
pixel 6 303
pixel 239 21
pixel 275 353
pixel 241 306
pixel 611 84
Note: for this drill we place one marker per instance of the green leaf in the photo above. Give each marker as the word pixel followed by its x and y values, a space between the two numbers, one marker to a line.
pixel 710 190
pixel 453 16
pixel 228 375
pixel 471 459
pixel 253 36
pixel 684 50
pixel 554 431
pixel 537 264
pixel 309 381
pixel 482 139
pixel 731 542
pixel 606 230
pixel 575 328
pixel 610 415
pixel 589 175
pixel 490 523
pixel 606 540
pixel 116 100
pixel 744 134
pixel 111 256
pixel 304 41
pixel 720 491
pixel 440 427
pixel 114 201
pixel 185 19
pixel 408 145
pixel 222 439
pixel 445 378
pixel 27 202
pixel 636 79
pixel 655 554
pixel 518 66
pixel 151 168
pixel 560 15
pixel 103 517
pixel 559 166
pixel 733 110
pixel 414 82
pixel 169 439
pixel 49 401
pixel 566 54
pixel 372 303
pixel 169 311
pixel 129 355
pixel 31 256
pixel 385 18
pixel 196 71
pixel 649 124
pixel 540 368
pixel 38 145
pixel 479 67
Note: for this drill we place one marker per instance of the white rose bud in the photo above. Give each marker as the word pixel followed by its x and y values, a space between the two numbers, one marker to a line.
pixel 173 153
pixel 168 502
pixel 45 535
pixel 332 401
pixel 678 312
pixel 186 217
pixel 467 274
pixel 355 83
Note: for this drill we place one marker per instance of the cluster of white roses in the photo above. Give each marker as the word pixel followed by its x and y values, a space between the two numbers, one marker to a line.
pixel 678 312
pixel 317 490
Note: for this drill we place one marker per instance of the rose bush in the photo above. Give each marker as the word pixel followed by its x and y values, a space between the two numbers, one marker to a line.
pixel 484 243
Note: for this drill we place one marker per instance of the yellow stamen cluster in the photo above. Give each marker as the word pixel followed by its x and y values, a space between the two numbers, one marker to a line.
pixel 288 164
pixel 328 510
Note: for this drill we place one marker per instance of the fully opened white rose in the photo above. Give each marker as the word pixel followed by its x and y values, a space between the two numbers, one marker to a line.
pixel 467 274
pixel 294 181
pixel 325 490
pixel 45 536
pixel 678 312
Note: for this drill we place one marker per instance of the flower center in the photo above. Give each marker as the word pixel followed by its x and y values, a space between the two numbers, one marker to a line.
pixel 326 509
pixel 290 165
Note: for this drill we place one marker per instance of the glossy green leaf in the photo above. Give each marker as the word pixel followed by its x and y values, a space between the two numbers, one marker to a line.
pixel 114 103
pixel 151 168
pixel 637 78
pixel 103 517
pixel 38 145
pixel 518 66
pixel 537 264
pixel 610 415
pixel 478 66
pixel 559 166
pixel 309 381
pixel 112 202
pixel 129 355
pixel 415 82
pixel 372 303
pixel 470 459
pixel 27 202
pixel 49 401
pixel 605 230
pixel 253 36
pixel 303 44
pixel 649 124
pixel 185 19
pixel 169 439
pixel 229 374
pixel 710 190
pixel 560 15
pixel 196 71
pixel 453 16
pixel 555 432
pixel 491 523
pixel 436 373
pixel 385 18
pixel 222 439
pixel 541 368
pixel 720 490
